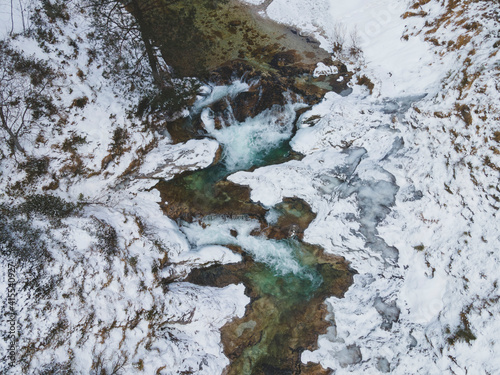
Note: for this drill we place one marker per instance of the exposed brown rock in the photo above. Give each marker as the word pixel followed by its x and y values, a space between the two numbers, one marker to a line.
pixel 269 89
pixel 217 275
pixel 273 333
pixel 279 332
pixel 221 44
pixel 295 217
pixel 180 201
pixel 314 369
pixel 218 155
pixel 184 129
pixel 285 58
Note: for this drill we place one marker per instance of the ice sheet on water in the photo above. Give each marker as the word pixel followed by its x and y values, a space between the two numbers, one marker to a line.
pixel 383 365
pixel 388 310
pixel 400 105
pixel 374 199
pixel 350 355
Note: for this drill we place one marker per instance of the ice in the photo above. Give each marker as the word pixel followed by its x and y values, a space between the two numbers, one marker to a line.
pixel 208 254
pixel 215 93
pixel 350 355
pixel 397 169
pixel 383 365
pixel 389 312
pixel 167 160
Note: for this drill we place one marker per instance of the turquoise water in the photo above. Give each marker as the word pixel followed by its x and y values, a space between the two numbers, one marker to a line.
pixel 289 273
pixel 286 279
pixel 256 141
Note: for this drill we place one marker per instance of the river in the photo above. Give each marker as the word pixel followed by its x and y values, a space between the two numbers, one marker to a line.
pixel 258 78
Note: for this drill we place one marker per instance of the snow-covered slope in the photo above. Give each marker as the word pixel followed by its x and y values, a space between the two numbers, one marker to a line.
pixel 414 167
pixel 95 292
pixel 404 180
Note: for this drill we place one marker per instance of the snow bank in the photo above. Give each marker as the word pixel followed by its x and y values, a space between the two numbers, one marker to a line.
pixel 441 221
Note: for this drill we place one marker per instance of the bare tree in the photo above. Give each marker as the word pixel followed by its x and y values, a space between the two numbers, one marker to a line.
pixel 121 29
pixel 24 98
pixel 19 11
pixel 354 48
pixel 132 32
pixel 339 37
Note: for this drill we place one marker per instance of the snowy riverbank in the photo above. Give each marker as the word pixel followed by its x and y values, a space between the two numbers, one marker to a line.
pixel 403 175
pixel 412 167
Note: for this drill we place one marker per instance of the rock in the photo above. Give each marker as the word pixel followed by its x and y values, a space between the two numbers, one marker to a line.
pixel 183 129
pixel 217 275
pixel 295 217
pixel 282 59
pixel 184 198
pixel 271 336
pixel 315 369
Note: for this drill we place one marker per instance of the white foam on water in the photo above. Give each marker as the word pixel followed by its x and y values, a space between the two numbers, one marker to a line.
pixel 280 255
pixel 248 142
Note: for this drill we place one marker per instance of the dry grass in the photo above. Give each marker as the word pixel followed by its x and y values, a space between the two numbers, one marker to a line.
pixel 496 136
pixel 414 14
pixel 137 162
pixel 419 3
pixel 465 114
pixel 461 42
pixel 365 81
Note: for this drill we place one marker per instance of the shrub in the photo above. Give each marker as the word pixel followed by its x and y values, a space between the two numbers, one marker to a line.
pixel 119 140
pixel 48 205
pixel 38 70
pixel 107 237
pixel 41 106
pixel 169 100
pixel 70 144
pixel 463 332
pixel 19 239
pixel 35 168
pixel 55 10
pixel 80 102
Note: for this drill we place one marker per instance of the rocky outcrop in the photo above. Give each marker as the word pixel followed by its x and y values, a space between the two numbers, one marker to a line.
pixel 183 199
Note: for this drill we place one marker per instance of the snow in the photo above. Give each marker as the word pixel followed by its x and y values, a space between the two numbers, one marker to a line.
pixel 110 299
pixel 423 293
pixel 254 2
pixel 279 255
pixel 402 186
pixel 206 254
pixel 14 17
pixel 247 142
pixel 167 160
pixel 442 219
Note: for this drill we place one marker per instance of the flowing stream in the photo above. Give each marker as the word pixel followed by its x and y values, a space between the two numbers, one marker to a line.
pixel 286 278
pixel 258 78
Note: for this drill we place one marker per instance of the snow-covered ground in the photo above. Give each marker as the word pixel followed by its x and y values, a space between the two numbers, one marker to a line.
pixel 413 167
pixel 109 302
pixel 404 181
